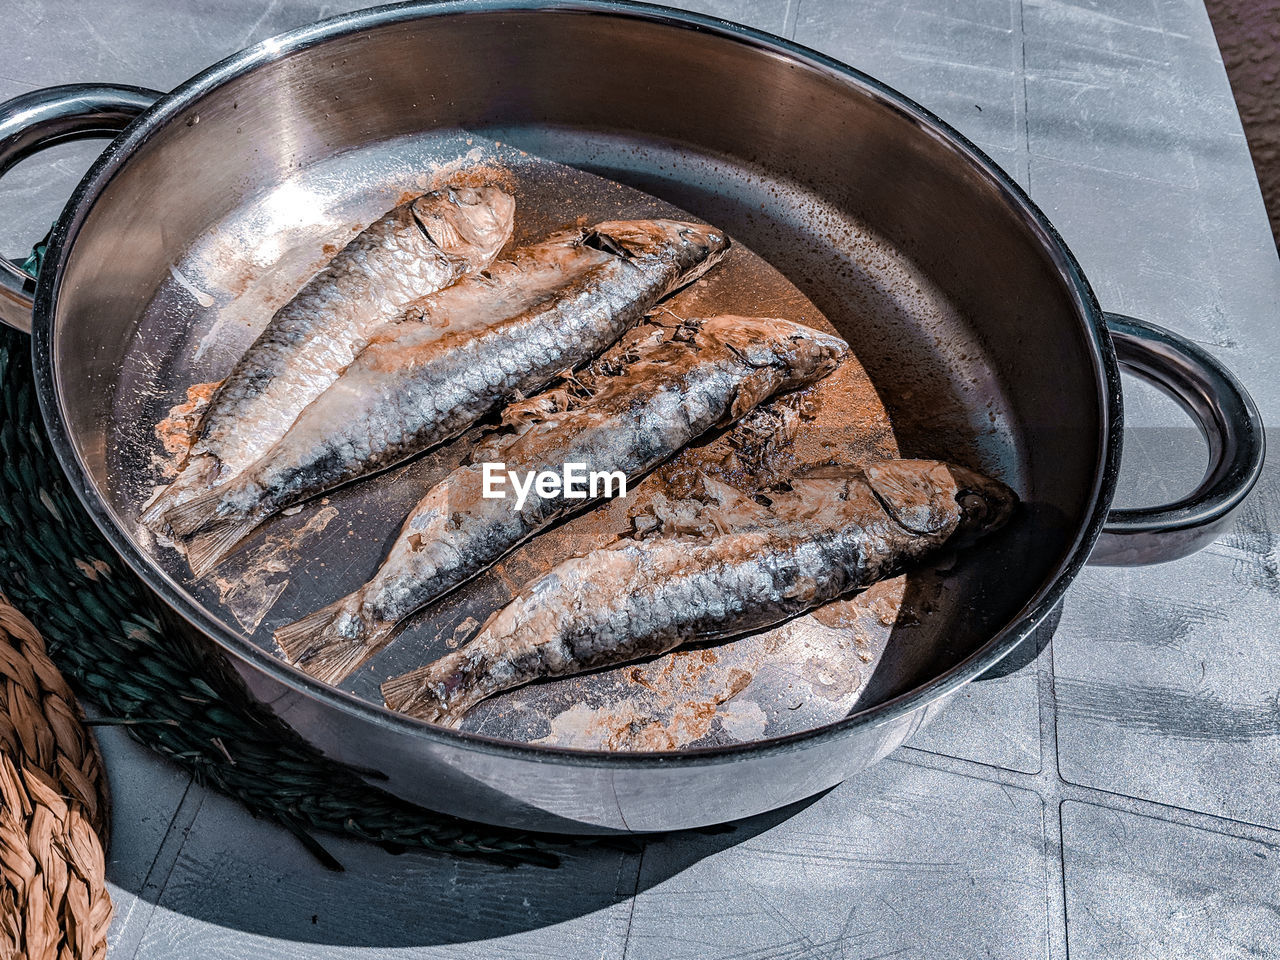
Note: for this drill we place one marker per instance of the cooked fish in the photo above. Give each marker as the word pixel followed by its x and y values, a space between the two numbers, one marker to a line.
pixel 416 249
pixel 716 572
pixel 635 407
pixel 452 360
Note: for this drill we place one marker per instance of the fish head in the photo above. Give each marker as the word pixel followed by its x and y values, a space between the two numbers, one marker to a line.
pixel 693 248
pixel 930 497
pixel 985 503
pixel 799 353
pixel 470 222
pixel 780 354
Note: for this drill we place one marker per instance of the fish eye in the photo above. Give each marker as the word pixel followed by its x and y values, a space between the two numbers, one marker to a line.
pixel 973 505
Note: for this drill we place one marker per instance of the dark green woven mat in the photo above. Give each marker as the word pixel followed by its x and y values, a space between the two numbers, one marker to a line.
pixel 106 631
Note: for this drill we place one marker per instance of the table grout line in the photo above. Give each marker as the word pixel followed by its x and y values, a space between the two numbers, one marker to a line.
pixel 791 18
pixel 1024 159
pixel 151 890
pixel 1058 891
pixel 635 895
pixel 1052 787
pixel 1051 773
pixel 1219 325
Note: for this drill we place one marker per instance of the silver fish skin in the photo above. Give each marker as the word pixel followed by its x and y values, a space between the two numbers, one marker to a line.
pixel 822 539
pixel 418 248
pixel 439 372
pixel 645 401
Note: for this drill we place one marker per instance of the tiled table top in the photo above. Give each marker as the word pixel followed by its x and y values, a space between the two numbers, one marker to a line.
pixel 1119 798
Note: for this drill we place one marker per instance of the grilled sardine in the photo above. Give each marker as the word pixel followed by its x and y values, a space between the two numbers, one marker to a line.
pixel 821 539
pixel 455 358
pixel 416 249
pixel 635 407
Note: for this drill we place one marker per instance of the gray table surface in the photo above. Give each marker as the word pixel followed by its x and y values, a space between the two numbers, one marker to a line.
pixel 1119 798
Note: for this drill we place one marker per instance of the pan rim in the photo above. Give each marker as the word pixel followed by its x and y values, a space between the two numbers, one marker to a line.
pixel 153 121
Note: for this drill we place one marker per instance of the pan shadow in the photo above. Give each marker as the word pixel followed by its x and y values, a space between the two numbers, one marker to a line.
pixel 248 875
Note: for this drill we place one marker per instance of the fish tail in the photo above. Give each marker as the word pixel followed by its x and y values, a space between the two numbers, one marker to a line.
pixel 413 694
pixel 195 476
pixel 212 545
pixel 192 515
pixel 319 645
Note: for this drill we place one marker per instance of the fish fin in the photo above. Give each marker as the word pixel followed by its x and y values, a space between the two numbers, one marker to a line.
pixel 605 243
pixel 197 473
pixel 315 646
pixel 716 494
pixel 195 514
pixel 211 546
pixel 749 395
pixel 713 508
pixel 543 407
pixel 410 694
pixel 826 471
pixel 399 692
pixel 445 690
pixel 153 510
pixel 152 513
pixel 905 488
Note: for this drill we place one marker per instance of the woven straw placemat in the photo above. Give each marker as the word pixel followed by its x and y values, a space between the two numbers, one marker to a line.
pixel 54 813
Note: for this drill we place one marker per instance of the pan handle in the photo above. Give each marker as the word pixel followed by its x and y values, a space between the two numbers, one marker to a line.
pixel 32 121
pixel 1229 420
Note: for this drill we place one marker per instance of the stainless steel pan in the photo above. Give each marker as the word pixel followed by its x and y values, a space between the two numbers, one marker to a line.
pixel 973 320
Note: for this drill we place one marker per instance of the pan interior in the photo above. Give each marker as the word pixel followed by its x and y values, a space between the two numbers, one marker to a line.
pixel 221 292
pixel 946 294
